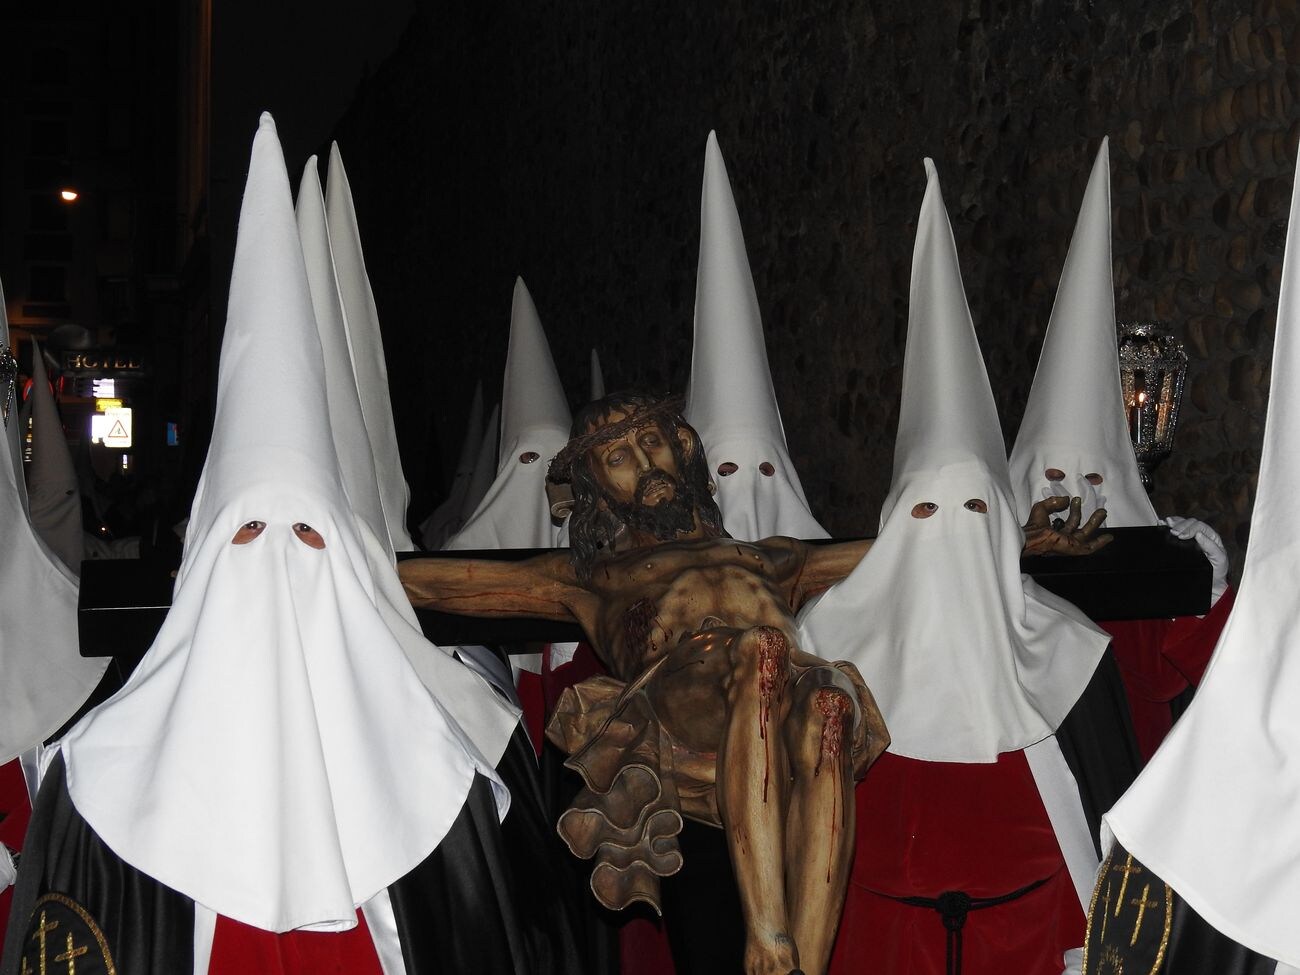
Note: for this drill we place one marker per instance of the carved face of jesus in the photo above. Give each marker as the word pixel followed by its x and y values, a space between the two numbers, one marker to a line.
pixel 640 479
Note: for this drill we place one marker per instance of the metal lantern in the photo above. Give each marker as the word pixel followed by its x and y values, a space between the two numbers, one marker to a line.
pixel 8 383
pixel 1152 369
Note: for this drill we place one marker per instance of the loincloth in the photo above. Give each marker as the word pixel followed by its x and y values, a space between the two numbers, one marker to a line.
pixel 639 781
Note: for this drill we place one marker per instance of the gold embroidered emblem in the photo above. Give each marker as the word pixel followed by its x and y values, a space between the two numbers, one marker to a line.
pixel 63 939
pixel 1127 931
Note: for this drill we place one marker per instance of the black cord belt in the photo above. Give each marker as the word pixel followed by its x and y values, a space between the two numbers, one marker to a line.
pixel 953 906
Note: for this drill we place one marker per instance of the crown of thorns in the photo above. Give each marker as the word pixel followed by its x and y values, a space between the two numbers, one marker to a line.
pixel 560 470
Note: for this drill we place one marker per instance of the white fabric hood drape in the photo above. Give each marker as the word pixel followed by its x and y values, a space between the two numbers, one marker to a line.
pixel 535 421
pixel 731 402
pixel 1074 419
pixel 481 714
pixel 966 657
pixel 53 498
pixel 445 519
pixel 275 757
pixel 1215 812
pixel 367 347
pixel 43 677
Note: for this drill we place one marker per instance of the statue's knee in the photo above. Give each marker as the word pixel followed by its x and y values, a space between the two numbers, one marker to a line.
pixel 762 664
pixel 826 694
pixel 826 729
pixel 762 648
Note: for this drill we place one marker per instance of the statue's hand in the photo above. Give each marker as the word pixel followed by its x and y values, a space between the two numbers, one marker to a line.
pixel 1065 537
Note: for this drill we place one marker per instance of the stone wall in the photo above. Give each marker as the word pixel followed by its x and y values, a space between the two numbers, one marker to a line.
pixel 563 141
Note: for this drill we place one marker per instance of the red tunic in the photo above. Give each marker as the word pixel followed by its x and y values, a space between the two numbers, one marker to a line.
pixel 925 828
pixel 238 949
pixel 1158 660
pixel 15 811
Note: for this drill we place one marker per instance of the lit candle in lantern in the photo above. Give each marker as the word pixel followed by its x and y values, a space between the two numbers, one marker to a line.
pixel 1139 403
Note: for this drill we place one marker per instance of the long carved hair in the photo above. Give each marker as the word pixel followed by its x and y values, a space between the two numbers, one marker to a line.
pixel 593 528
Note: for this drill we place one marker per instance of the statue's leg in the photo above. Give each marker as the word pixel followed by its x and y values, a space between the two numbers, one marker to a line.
pixel 753 777
pixel 819 822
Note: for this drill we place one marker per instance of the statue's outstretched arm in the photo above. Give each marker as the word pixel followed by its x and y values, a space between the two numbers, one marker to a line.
pixel 543 587
pixel 825 565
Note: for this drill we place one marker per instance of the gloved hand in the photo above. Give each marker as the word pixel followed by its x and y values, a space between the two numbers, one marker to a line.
pixel 8 872
pixel 1211 544
pixel 1073 962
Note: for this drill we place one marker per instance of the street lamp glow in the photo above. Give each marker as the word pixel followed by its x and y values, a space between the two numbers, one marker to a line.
pixel 68 195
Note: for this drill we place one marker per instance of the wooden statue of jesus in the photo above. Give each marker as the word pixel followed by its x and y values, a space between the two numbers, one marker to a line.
pixel 712 710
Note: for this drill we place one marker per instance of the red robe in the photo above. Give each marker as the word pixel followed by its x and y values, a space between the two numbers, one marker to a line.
pixel 1160 659
pixel 238 949
pixel 15 811
pixel 925 828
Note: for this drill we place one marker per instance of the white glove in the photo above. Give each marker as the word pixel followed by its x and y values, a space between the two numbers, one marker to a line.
pixel 8 872
pixel 1211 544
pixel 1073 962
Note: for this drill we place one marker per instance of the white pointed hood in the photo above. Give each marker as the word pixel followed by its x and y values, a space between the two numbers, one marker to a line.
pixel 478 712
pixel 731 402
pixel 275 756
pixel 446 518
pixel 943 595
pixel 52 494
pixel 1074 420
pixel 1214 813
pixel 346 420
pixel 535 420
pixel 597 378
pixel 367 345
pixel 44 677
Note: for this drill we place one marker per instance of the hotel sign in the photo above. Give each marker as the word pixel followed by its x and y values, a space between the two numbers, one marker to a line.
pixel 104 362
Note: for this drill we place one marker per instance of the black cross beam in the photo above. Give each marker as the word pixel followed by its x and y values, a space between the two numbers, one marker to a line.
pixel 1145 573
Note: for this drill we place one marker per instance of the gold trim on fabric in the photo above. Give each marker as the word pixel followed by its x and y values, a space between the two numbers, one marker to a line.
pixel 89 921
pixel 1169 923
pixel 1102 876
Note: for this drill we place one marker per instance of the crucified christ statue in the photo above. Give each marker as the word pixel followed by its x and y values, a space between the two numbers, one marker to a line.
pixel 711 711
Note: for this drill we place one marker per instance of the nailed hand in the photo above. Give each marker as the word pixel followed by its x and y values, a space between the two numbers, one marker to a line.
pixel 1068 537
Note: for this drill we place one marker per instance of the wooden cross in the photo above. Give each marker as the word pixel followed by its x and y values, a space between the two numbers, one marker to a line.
pixel 1141 903
pixel 1127 870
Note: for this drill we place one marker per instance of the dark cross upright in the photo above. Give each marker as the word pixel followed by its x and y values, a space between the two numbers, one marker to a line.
pixel 1141 903
pixel 71 955
pixel 40 933
pixel 1127 870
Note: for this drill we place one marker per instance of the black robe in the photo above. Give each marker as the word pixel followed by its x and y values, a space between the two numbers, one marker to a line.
pixel 1168 930
pixel 469 906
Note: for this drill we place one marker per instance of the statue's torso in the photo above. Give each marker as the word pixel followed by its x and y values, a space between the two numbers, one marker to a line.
pixel 650 599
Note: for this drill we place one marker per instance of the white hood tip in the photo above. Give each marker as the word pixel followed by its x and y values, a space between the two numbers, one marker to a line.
pixel 731 402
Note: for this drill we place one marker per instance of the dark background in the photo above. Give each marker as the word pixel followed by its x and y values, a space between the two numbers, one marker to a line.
pixel 563 141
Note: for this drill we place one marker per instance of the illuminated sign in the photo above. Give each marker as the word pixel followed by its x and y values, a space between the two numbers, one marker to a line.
pixel 104 362
pixel 112 427
pixel 107 404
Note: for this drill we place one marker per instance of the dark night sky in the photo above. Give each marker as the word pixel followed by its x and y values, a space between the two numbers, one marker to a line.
pixel 299 60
